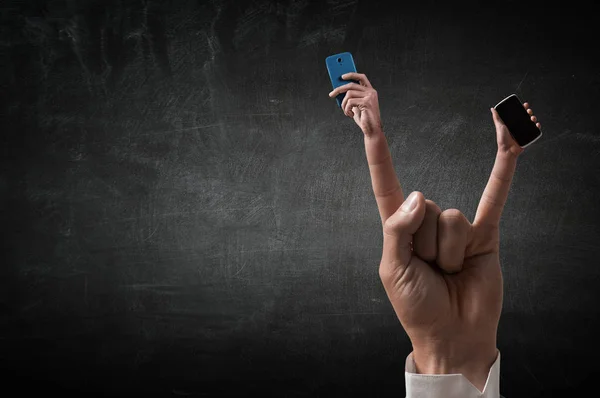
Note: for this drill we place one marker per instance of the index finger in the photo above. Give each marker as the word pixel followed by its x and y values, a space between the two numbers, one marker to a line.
pixel 346 87
pixel 386 187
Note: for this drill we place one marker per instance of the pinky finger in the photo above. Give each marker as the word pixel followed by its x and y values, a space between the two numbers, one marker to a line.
pixel 539 126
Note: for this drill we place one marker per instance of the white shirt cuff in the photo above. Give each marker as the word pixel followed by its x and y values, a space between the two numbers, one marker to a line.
pixel 450 385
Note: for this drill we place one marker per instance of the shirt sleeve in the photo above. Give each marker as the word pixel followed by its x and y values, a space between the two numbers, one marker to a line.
pixel 450 385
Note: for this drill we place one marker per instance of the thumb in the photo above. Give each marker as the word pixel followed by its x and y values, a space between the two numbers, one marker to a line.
pixel 399 229
pixel 504 138
pixel 497 120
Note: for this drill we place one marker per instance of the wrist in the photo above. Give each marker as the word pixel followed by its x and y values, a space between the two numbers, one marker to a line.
pixel 511 152
pixel 371 132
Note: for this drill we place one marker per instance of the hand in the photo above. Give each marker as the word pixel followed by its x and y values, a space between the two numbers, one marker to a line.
pixel 360 103
pixel 441 273
pixel 505 142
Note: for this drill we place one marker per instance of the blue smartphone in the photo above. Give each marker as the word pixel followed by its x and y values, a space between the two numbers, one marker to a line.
pixel 337 65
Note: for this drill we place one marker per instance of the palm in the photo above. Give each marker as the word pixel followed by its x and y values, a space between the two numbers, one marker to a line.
pixel 460 303
pixel 505 141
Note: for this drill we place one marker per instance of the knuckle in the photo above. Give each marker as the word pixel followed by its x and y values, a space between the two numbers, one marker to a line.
pixel 452 218
pixel 452 213
pixel 432 207
pixel 384 273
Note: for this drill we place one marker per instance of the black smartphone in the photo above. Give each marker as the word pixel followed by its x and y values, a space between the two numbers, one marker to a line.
pixel 521 128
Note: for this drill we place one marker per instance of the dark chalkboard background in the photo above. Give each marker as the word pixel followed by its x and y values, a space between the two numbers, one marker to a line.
pixel 184 211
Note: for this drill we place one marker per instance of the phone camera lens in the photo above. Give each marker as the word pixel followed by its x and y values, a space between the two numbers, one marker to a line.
pixel 339 60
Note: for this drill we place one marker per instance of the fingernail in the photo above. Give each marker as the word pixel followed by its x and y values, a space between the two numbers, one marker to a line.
pixel 410 203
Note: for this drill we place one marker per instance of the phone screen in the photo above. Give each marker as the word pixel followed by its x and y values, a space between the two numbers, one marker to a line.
pixel 519 123
pixel 337 65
